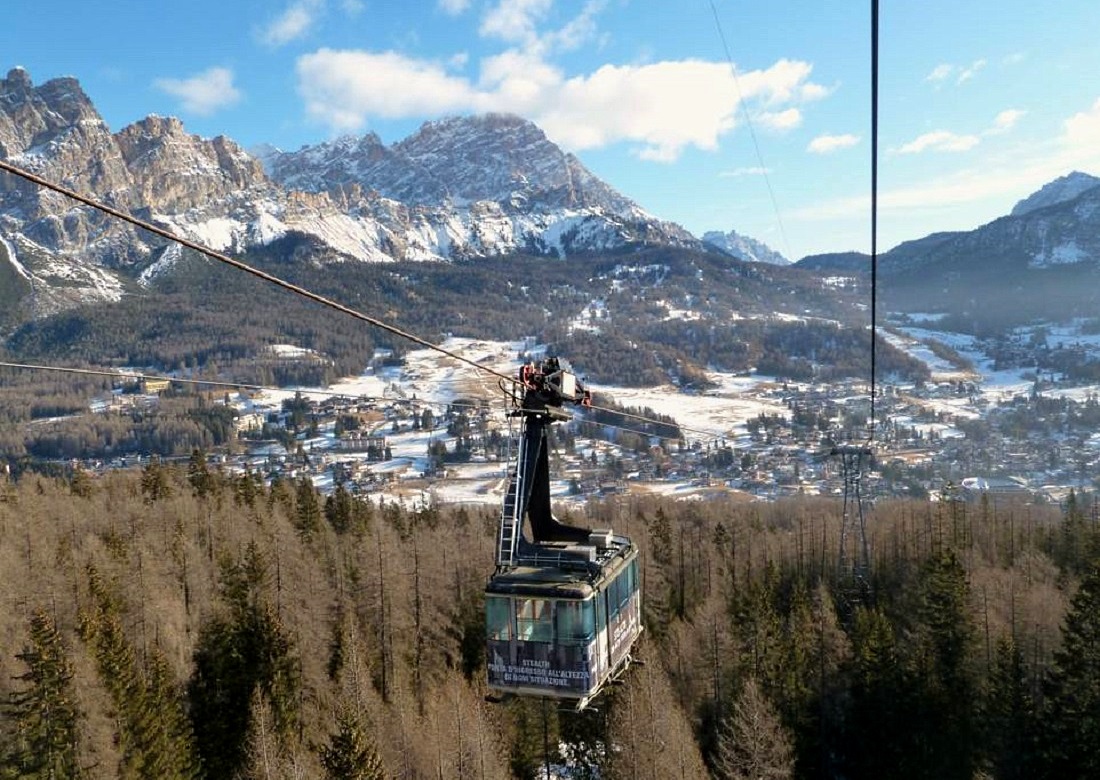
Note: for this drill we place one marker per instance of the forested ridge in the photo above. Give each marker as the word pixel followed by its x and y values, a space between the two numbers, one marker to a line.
pixel 178 622
pixel 203 316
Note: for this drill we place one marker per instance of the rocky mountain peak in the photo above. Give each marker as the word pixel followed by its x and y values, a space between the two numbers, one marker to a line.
pixel 744 247
pixel 1060 190
pixel 36 116
pixel 455 162
pixel 461 187
pixel 17 82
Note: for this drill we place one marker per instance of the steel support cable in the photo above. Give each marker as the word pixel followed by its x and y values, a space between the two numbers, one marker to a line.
pixel 642 418
pixel 752 131
pixel 874 203
pixel 337 394
pixel 168 235
pixel 305 391
pixel 6 166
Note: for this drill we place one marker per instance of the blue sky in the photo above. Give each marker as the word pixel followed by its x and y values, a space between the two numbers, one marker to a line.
pixel 982 101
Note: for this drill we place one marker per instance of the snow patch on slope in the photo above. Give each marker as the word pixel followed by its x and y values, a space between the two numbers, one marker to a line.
pixel 13 259
pixel 1066 253
pixel 165 263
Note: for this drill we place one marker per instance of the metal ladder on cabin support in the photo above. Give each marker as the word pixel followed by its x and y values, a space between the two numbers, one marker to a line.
pixel 511 515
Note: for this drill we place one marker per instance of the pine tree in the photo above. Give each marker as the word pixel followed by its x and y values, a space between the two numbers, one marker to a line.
pixel 338 510
pixel 1009 718
pixel 307 509
pixel 155 485
pixel 44 714
pixel 1072 710
pixel 202 481
pixel 946 726
pixel 242 651
pixel 153 733
pixel 879 740
pixel 752 743
pixel 350 754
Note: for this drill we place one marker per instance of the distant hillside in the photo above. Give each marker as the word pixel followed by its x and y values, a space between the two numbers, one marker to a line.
pixel 837 262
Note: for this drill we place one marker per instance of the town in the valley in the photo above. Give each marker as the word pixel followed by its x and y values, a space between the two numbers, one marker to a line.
pixel 424 429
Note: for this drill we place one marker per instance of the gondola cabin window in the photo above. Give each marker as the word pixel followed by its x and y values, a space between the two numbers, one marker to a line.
pixel 576 622
pixel 541 620
pixel 534 620
pixel 498 617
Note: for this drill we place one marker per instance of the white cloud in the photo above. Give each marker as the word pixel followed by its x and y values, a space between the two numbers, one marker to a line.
pixel 739 172
pixel 578 31
pixel 1082 130
pixel 940 141
pixel 945 70
pixel 826 144
pixel 996 181
pixel 514 21
pixel 780 120
pixel 343 88
pixel 352 7
pixel 968 73
pixel 454 7
pixel 662 107
pixel 812 92
pixel 940 73
pixel 292 23
pixel 203 93
pixel 1005 121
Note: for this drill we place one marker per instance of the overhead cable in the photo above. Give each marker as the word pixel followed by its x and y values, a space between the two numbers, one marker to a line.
pixel 6 166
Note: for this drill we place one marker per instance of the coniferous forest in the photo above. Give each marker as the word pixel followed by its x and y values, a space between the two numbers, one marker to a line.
pixel 181 622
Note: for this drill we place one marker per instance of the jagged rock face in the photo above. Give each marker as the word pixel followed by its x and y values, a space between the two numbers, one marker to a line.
pixel 55 131
pixel 458 188
pixel 173 171
pixel 744 247
pixel 457 161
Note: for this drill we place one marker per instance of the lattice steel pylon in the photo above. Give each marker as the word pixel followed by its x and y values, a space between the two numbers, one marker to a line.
pixel 854 558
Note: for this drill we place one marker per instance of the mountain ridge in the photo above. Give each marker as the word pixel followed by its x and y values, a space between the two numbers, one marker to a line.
pixel 420 200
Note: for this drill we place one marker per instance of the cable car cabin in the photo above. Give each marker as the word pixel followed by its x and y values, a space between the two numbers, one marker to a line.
pixel 563 632
pixel 563 608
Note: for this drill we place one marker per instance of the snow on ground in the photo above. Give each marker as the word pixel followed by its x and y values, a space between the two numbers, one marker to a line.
pixel 995 385
pixel 290 351
pixel 10 250
pixel 942 370
pixel 718 414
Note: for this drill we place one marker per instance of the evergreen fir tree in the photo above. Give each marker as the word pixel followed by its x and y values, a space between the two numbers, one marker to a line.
pixel 44 715
pixel 244 650
pixel 350 754
pixel 1072 711
pixel 155 485
pixel 946 723
pixel 202 481
pixel 338 510
pixel 307 509
pixel 1009 719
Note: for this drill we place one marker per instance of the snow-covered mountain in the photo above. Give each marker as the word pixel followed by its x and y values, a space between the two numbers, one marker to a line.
pixel 743 247
pixel 457 189
pixel 1060 190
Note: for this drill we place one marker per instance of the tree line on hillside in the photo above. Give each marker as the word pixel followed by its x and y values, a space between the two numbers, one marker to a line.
pixel 183 622
pixel 205 317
